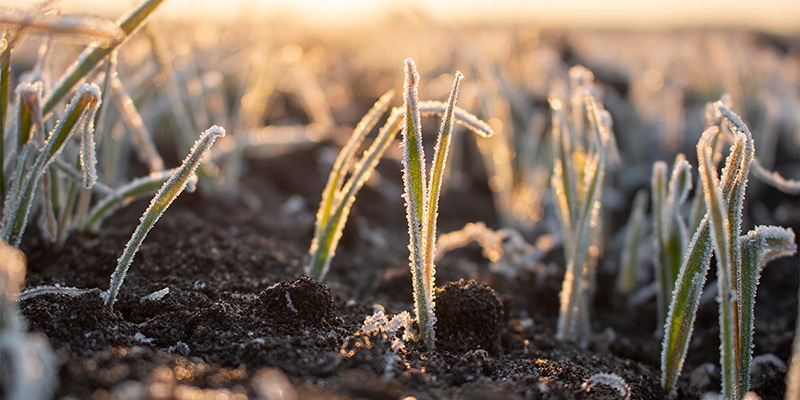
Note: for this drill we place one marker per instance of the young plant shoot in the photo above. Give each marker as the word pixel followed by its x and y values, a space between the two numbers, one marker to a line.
pixel 165 196
pixel 338 196
pixel 19 200
pixel 422 197
pixel 583 146
pixel 740 259
pixel 669 226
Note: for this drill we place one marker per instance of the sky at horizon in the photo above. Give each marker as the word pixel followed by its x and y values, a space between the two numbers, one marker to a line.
pixel 781 16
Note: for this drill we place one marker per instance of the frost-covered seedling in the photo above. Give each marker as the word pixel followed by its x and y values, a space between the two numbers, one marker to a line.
pixel 583 146
pixel 669 226
pixel 611 380
pixel 740 259
pixel 629 261
pixel 165 196
pixel 92 56
pixel 338 196
pixel 19 200
pixel 422 197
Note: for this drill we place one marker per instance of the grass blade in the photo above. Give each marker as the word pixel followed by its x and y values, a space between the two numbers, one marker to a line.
pixel 5 82
pixel 324 248
pixel 690 281
pixel 626 276
pixel 88 26
pixel 573 287
pixel 165 196
pixel 124 195
pixel 331 195
pixel 437 173
pixel 759 246
pixel 460 116
pixel 720 228
pixel 86 99
pixel 140 135
pixel 93 54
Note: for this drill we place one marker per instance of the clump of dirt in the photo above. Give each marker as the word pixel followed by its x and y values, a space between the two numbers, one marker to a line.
pixel 301 302
pixel 469 316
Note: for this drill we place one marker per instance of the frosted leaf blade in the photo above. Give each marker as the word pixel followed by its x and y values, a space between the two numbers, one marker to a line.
pixel 683 306
pixel 720 229
pixel 460 116
pixel 759 246
pixel 158 205
pixel 331 194
pixel 331 232
pixel 94 54
pixel 436 176
pixel 14 221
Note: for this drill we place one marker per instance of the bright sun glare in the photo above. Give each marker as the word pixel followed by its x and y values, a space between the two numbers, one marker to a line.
pixel 774 15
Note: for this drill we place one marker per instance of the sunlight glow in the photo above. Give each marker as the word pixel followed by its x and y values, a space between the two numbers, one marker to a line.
pixel 771 15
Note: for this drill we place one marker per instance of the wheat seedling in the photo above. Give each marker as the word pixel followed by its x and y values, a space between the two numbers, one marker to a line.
pixel 669 226
pixel 626 276
pixel 94 54
pixel 583 146
pixel 740 260
pixel 165 196
pixel 422 198
pixel 338 196
pixel 18 202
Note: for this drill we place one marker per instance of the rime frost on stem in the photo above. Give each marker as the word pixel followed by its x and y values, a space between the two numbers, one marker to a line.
pixel 165 196
pixel 88 152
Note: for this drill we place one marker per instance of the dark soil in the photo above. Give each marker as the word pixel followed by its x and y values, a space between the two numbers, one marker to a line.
pixel 240 319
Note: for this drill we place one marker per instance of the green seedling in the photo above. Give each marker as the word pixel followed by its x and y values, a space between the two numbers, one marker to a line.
pixel 18 203
pixel 583 146
pixel 740 260
pixel 95 53
pixel 669 227
pixel 626 276
pixel 422 198
pixel 338 196
pixel 165 196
